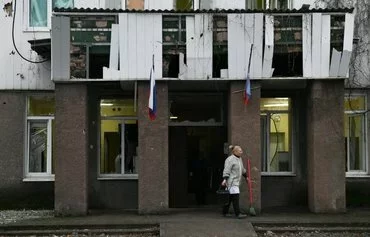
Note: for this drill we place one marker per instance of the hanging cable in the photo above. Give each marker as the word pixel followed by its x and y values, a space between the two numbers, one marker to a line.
pixel 13 40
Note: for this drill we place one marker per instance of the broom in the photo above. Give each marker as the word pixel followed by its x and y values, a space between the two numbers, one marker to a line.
pixel 252 212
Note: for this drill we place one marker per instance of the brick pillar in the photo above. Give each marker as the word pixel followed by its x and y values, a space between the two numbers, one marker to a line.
pixel 244 129
pixel 71 149
pixel 153 151
pixel 325 147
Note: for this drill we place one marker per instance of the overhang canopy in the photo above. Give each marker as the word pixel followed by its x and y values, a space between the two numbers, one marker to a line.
pixel 42 47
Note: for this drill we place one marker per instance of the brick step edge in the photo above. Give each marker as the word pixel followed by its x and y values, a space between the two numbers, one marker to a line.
pixel 153 230
pixel 311 229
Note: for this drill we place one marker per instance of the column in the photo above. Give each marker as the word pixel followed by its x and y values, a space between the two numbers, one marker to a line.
pixel 71 149
pixel 244 130
pixel 325 147
pixel 153 151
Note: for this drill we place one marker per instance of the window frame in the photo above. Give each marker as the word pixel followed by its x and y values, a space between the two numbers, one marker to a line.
pixel 122 175
pixel 39 176
pixel 26 18
pixel 289 112
pixel 365 158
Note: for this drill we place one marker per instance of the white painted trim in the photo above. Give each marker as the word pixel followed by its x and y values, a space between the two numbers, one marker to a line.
pixel 39 178
pixel 103 177
pixel 278 174
pixel 37 175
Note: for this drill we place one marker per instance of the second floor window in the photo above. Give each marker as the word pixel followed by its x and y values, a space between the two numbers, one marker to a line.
pixel 184 4
pixel 135 4
pixel 269 4
pixel 220 45
pixel 174 43
pixel 39 12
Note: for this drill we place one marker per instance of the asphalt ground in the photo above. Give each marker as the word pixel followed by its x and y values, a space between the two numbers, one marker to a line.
pixel 194 222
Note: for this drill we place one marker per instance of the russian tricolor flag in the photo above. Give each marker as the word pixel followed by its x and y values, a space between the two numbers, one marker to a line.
pixel 152 96
pixel 247 90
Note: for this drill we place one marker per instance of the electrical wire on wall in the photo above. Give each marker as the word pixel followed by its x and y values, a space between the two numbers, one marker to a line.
pixel 13 40
pixel 277 139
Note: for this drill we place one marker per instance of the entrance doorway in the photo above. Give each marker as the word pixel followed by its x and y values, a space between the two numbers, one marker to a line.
pixel 196 160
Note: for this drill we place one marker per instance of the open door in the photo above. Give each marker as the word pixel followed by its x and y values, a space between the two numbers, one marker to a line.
pixel 178 171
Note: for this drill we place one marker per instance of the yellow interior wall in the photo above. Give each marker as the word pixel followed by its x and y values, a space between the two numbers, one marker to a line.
pixel 282 127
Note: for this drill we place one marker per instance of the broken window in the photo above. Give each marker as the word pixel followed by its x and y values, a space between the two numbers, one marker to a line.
pixel 39 162
pixel 287 59
pixel 336 32
pixel 135 4
pixel 174 43
pixel 268 4
pixel 184 4
pixel 90 45
pixel 220 59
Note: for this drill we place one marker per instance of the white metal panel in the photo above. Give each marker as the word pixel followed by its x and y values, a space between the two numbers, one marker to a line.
pixel 269 46
pixel 316 44
pixel 207 45
pixel 114 47
pixel 256 64
pixel 89 3
pixel 348 32
pixel 132 56
pixel 142 57
pixel 325 45
pixel 199 46
pixel 347 45
pixel 159 4
pixel 124 44
pixel 156 41
pixel 229 4
pixel 189 70
pixel 236 46
pixel 248 39
pixel 59 48
pixel 344 63
pixel 140 39
pixel 335 61
pixel 307 45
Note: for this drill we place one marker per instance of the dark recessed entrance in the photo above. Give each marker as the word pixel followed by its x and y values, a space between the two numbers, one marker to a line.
pixel 196 159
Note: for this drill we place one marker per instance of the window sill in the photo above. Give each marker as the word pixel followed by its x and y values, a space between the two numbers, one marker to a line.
pixel 39 179
pixel 357 175
pixel 288 174
pixel 37 29
pixel 119 177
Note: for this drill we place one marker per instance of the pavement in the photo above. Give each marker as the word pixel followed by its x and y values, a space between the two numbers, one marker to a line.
pixel 197 222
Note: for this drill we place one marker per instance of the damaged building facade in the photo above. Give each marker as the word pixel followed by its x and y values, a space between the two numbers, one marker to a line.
pixel 76 134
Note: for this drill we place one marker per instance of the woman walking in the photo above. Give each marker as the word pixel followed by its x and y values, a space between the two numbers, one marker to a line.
pixel 232 174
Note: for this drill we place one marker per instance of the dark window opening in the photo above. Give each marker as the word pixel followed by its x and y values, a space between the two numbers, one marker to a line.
pixel 98 58
pixel 220 52
pixel 174 43
pixel 336 32
pixel 196 108
pixel 90 40
pixel 184 4
pixel 287 59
